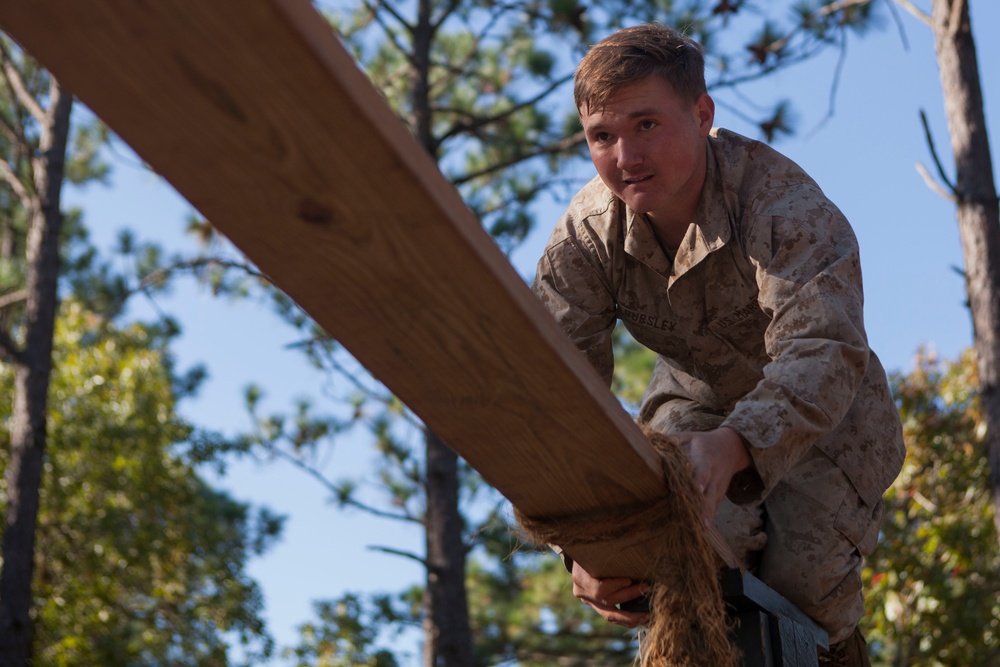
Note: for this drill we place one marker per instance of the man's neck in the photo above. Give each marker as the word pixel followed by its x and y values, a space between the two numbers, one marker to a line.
pixel 670 226
pixel 669 236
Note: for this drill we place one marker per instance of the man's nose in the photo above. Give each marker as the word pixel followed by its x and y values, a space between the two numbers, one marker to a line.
pixel 628 154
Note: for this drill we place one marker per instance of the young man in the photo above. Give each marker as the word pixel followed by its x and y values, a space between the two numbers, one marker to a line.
pixel 728 261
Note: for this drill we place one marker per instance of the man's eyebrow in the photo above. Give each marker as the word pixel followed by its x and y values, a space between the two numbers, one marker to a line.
pixel 632 115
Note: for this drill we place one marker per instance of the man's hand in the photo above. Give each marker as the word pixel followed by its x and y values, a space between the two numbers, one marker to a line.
pixel 716 455
pixel 604 594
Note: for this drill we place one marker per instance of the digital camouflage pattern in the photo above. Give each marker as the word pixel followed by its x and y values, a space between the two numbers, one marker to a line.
pixel 758 324
pixel 758 319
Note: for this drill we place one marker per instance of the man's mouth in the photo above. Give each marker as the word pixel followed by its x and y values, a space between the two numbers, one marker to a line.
pixel 636 179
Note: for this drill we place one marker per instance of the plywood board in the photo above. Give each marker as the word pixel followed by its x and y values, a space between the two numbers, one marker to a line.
pixel 257 115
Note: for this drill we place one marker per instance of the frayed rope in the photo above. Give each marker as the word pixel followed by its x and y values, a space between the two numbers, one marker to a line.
pixel 687 622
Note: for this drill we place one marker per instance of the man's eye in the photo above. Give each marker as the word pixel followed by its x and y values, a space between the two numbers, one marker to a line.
pixel 647 125
pixel 601 137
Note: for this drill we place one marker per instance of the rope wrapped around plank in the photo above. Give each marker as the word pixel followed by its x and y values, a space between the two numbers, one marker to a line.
pixel 687 623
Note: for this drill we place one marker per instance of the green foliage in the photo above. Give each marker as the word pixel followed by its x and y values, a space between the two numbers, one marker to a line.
pixel 633 369
pixel 934 580
pixel 139 561
pixel 344 635
pixel 523 611
pixel 85 164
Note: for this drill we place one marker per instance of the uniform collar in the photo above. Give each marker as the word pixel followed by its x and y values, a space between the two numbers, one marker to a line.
pixel 711 228
pixel 641 243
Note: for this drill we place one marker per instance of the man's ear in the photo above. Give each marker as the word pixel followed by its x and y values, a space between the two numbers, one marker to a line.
pixel 704 108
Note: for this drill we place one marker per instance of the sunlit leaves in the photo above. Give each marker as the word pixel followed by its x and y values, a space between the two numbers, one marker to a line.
pixel 523 609
pixel 138 560
pixel 85 163
pixel 934 596
pixel 633 368
pixel 344 634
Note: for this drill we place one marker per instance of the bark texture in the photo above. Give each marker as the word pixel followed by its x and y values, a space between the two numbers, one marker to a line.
pixel 977 208
pixel 32 369
pixel 447 633
pixel 448 637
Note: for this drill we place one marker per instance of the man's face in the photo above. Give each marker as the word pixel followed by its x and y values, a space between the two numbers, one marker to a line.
pixel 648 145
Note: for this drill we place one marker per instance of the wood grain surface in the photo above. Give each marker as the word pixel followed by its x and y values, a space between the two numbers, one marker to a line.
pixel 257 115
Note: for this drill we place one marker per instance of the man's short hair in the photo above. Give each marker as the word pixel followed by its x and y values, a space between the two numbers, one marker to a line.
pixel 634 54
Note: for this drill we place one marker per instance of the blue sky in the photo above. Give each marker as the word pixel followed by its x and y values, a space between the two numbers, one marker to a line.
pixel 864 157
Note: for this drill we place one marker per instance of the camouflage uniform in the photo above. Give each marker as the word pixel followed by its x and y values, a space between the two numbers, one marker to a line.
pixel 758 324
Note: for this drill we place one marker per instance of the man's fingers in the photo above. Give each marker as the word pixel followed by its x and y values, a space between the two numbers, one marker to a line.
pixel 628 619
pixel 611 591
pixel 610 595
pixel 604 596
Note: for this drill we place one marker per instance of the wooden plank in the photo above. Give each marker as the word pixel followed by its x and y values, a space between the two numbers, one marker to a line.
pixel 257 115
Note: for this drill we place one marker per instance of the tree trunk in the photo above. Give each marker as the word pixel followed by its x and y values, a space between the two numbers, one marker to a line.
pixel 978 215
pixel 447 635
pixel 31 383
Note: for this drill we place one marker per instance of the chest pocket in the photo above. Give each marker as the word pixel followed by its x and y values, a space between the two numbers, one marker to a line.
pixel 645 311
pixel 738 318
pixel 743 328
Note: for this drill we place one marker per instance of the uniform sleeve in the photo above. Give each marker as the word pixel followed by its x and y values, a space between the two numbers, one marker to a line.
pixel 808 272
pixel 675 402
pixel 572 286
pixel 672 404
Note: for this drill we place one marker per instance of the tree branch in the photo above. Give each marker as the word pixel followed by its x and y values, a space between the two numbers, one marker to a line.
pixel 933 149
pixel 833 7
pixel 10 349
pixel 16 185
pixel 934 185
pixel 462 70
pixel 398 552
pixel 10 298
pixel 161 275
pixel 200 263
pixel 503 204
pixel 389 33
pixel 392 12
pixel 332 488
pixel 333 364
pixel 899 24
pixel 460 127
pixel 448 11
pixel 560 146
pixel 763 72
pixel 15 135
pixel 918 13
pixel 17 86
pixel 834 85
pixel 954 22
pixel 382 514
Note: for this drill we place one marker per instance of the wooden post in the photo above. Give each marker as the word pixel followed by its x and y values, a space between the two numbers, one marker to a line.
pixel 768 629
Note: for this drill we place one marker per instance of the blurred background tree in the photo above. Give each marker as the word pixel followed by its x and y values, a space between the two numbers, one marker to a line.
pixel 934 580
pixel 138 560
pixel 115 551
